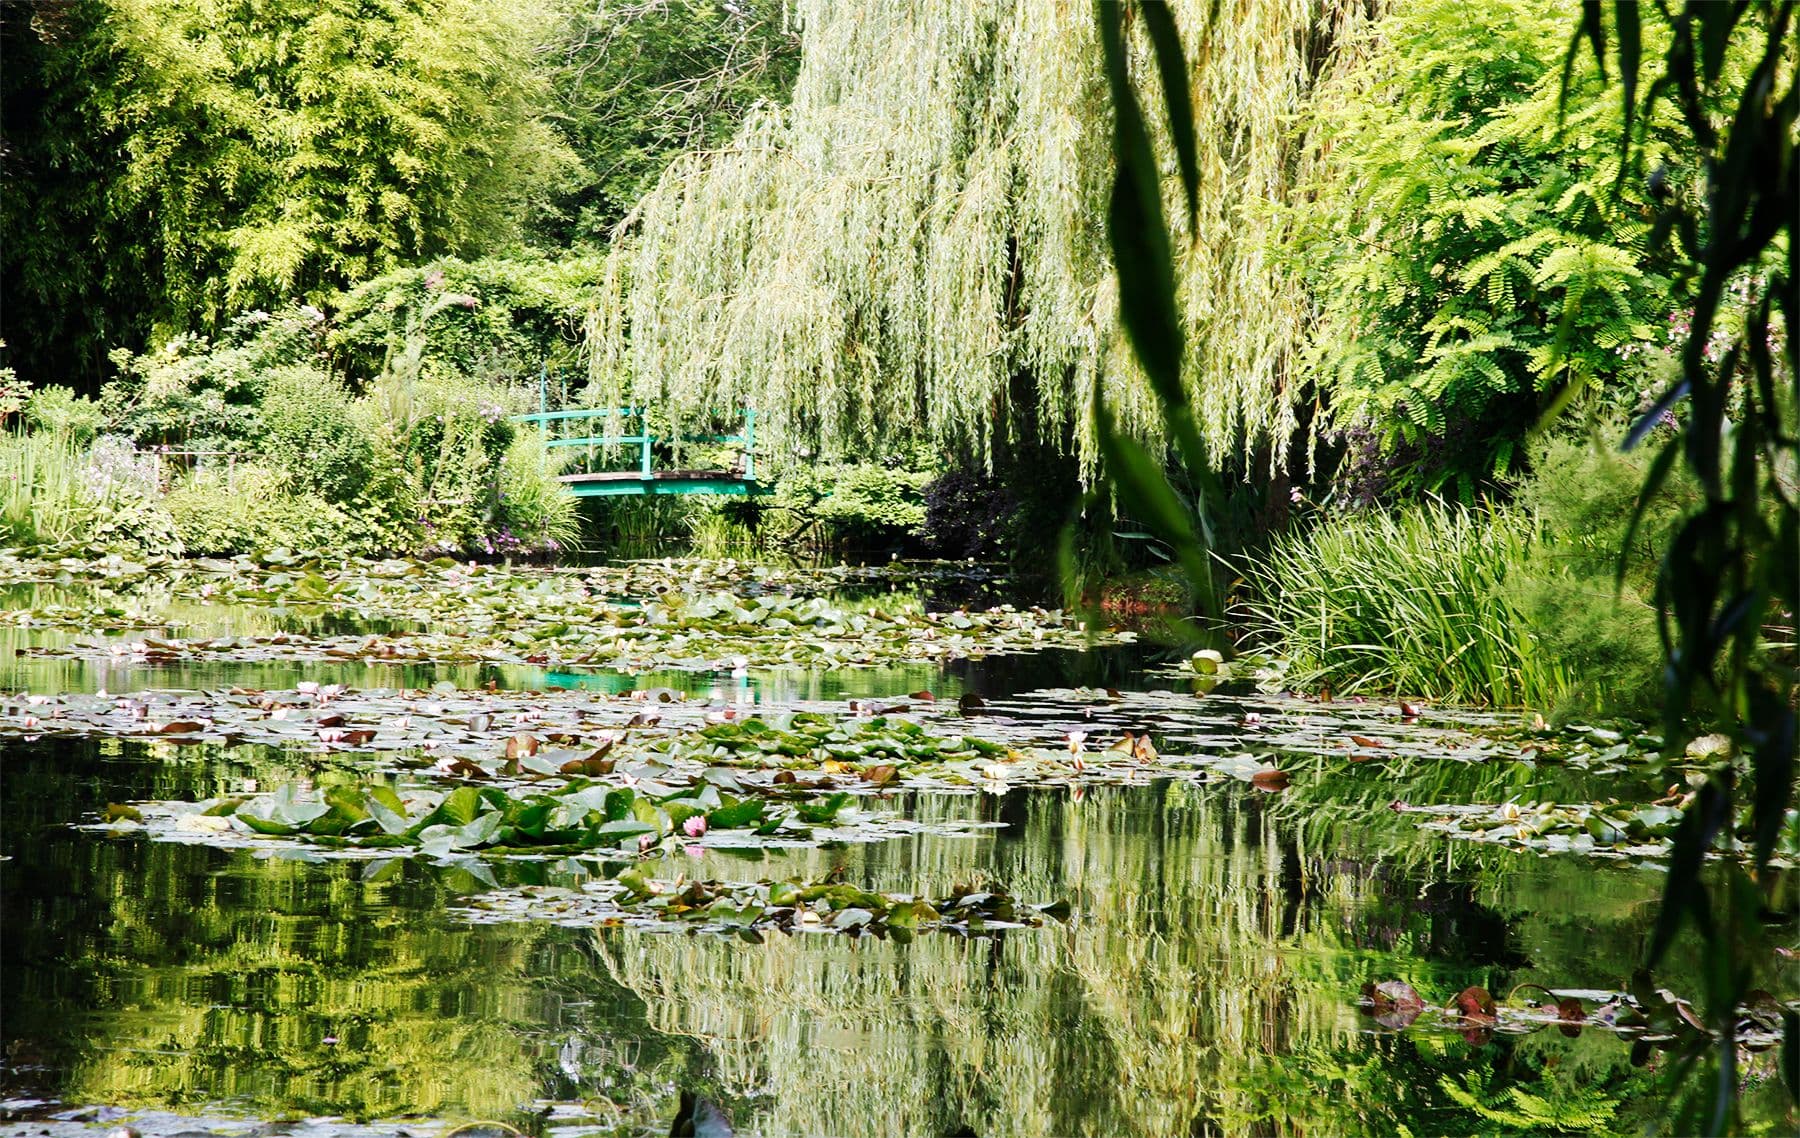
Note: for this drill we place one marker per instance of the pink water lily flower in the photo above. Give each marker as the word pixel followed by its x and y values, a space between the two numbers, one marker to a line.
pixel 695 826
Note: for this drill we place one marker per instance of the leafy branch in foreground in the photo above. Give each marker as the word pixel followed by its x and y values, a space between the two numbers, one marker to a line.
pixel 1729 571
pixel 1148 307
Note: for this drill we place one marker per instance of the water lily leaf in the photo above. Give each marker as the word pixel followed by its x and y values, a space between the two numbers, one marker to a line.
pixel 481 831
pixel 1474 1003
pixel 1270 779
pixel 1393 1003
pixel 736 815
pixel 440 840
pixel 625 828
pixel 619 803
pixel 1571 1016
pixel 458 808
pixel 392 821
pixel 821 810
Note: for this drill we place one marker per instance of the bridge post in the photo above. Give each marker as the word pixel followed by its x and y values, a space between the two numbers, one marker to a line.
pixel 544 408
pixel 750 444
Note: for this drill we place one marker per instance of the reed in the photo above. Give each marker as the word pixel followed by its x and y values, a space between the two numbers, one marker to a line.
pixel 1411 603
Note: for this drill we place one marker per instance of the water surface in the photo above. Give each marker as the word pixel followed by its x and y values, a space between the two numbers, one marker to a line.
pixel 1205 983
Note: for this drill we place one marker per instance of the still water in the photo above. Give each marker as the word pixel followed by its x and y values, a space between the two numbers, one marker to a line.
pixel 1206 981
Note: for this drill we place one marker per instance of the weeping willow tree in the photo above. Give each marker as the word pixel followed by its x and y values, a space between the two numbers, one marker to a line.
pixel 886 258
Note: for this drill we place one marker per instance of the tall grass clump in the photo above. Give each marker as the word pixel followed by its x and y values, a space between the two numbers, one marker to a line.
pixel 43 490
pixel 1412 602
pixel 540 513
pixel 57 494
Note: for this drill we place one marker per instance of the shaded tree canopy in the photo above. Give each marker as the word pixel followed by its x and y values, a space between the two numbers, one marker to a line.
pixel 169 163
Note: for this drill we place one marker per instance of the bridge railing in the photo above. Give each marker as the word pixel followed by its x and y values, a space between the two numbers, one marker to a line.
pixel 551 422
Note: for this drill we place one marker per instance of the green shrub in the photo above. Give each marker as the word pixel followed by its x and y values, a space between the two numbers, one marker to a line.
pixel 1412 603
pixel 202 394
pixel 538 512
pixel 124 490
pixel 1602 633
pixel 13 392
pixel 309 432
pixel 492 318
pixel 1473 249
pixel 60 411
pixel 252 509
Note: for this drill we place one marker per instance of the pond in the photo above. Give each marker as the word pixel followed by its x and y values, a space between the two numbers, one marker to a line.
pixel 1172 937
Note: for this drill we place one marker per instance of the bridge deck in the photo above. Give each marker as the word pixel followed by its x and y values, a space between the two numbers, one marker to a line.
pixel 623 483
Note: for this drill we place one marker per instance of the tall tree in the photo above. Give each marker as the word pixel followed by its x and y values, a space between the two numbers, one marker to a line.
pixel 639 82
pixel 169 162
pixel 925 223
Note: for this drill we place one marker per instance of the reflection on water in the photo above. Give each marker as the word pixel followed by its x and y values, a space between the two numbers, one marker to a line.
pixel 165 615
pixel 1205 985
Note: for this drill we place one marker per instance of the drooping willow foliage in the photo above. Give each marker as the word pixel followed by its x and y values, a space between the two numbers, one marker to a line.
pixel 924 225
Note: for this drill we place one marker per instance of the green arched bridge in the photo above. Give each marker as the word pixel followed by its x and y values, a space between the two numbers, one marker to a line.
pixel 587 430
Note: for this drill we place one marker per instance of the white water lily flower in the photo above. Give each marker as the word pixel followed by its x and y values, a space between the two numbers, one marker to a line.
pixel 1707 746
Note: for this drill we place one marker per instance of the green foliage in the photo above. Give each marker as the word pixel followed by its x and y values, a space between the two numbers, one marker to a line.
pixel 418 462
pixel 1474 253
pixel 43 486
pixel 436 450
pixel 886 257
pixel 200 394
pixel 537 512
pixel 253 509
pixel 1729 72
pixel 180 159
pixel 309 431
pixel 492 318
pixel 1412 603
pixel 1576 1110
pixel 638 84
pixel 13 393
pixel 1600 630
pixel 59 410
pixel 851 505
pixel 56 493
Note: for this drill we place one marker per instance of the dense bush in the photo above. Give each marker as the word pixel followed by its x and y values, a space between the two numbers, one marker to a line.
pixel 968 513
pixel 309 431
pixel 536 511
pixel 1601 630
pixel 860 506
pixel 43 483
pixel 494 318
pixel 1475 255
pixel 199 394
pixel 253 508
pixel 60 411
